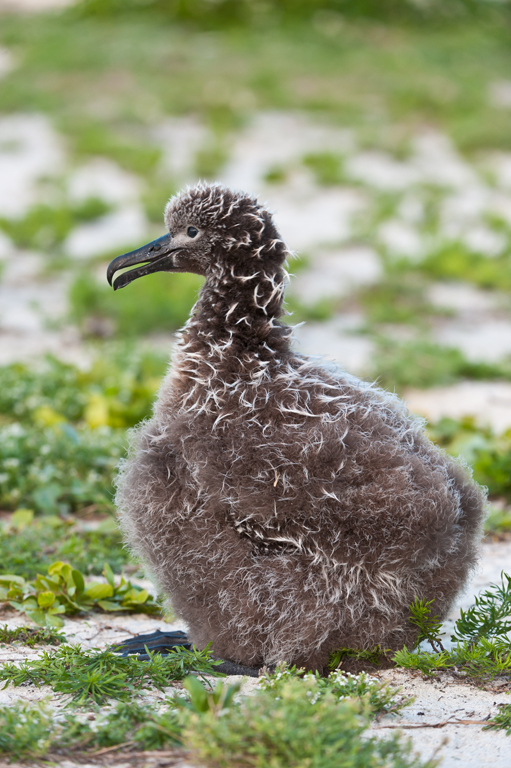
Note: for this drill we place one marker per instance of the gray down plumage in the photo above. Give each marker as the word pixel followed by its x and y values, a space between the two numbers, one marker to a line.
pixel 283 508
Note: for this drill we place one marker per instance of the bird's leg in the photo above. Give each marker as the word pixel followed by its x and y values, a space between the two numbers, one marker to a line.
pixel 163 642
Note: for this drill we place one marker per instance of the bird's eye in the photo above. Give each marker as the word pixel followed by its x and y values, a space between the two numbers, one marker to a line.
pixel 192 232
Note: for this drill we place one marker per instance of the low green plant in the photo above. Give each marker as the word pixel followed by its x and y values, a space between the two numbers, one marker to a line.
pixel 425 661
pixel 372 656
pixel 30 637
pixel 299 727
pixel 501 721
pixel 63 591
pixel 498 521
pixel 25 730
pixel 29 545
pixel 46 227
pixel 58 468
pixel 453 261
pixel 92 138
pixel 116 390
pixel 488 453
pixel 96 677
pixel 62 430
pixel 485 659
pixel 317 312
pixel 276 174
pixel 375 696
pixel 423 363
pixel 399 298
pixel 489 617
pixel 129 723
pixel 327 167
pixel 481 645
pixel 429 626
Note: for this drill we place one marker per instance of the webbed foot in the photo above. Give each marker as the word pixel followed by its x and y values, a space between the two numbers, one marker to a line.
pixel 163 642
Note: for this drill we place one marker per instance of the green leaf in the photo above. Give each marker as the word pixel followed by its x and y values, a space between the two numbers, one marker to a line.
pixel 199 698
pixel 107 605
pixel 9 578
pixel 57 609
pixel 136 597
pixel 54 621
pixel 109 575
pixel 78 580
pixel 45 599
pixel 99 591
pixel 38 616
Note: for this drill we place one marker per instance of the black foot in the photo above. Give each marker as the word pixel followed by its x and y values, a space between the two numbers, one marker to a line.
pixel 231 668
pixel 163 642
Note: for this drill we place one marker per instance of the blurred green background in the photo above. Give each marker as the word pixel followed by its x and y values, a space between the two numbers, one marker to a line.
pixel 379 132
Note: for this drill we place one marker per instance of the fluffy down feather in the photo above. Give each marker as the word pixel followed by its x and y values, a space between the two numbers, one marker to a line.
pixel 284 509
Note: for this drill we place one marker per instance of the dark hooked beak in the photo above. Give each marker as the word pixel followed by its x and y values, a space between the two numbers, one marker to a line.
pixel 155 257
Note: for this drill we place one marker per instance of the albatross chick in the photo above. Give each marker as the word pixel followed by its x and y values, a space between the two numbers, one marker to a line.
pixel 284 509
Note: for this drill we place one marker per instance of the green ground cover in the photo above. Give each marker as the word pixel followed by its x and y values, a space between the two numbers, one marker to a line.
pixel 63 590
pixel 145 66
pixel 481 646
pixel 292 719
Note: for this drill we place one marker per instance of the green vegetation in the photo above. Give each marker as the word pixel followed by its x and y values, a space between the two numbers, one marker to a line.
pixel 59 468
pixel 488 454
pixel 63 591
pixel 291 723
pixel 429 626
pixel 227 12
pixel 423 363
pixel 96 677
pixel 62 430
pixel 498 521
pixel 97 138
pixel 43 540
pixel 502 721
pixel 25 730
pixel 481 646
pixel 326 167
pixel 453 261
pixel 116 390
pixel 152 304
pixel 300 727
pixel 490 616
pixel 30 637
pixel 400 298
pixel 370 656
pixel 377 697
pixel 45 227
pixel 341 63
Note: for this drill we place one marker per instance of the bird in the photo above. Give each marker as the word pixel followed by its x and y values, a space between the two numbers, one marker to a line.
pixel 284 507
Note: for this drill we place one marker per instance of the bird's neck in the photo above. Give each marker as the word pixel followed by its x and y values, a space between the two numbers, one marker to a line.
pixel 234 332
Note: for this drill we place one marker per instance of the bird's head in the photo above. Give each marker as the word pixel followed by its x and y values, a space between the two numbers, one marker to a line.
pixel 210 229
